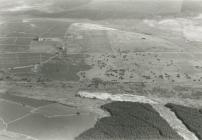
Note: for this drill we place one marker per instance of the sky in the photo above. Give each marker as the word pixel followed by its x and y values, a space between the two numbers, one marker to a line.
pixel 51 6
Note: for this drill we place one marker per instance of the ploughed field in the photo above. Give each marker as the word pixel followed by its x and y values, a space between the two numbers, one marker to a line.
pixel 54 58
pixel 191 117
pixel 24 57
pixel 64 50
pixel 129 121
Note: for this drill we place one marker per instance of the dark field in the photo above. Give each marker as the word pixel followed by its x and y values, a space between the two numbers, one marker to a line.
pixel 64 70
pixel 191 117
pixel 130 121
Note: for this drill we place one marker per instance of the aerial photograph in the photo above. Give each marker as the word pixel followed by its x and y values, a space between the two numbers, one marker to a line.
pixel 100 69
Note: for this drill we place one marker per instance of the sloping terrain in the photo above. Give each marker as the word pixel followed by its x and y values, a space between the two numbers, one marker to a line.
pixel 112 55
pixel 191 117
pixel 92 36
pixel 122 56
pixel 175 122
pixel 52 49
pixel 157 104
pixel 130 121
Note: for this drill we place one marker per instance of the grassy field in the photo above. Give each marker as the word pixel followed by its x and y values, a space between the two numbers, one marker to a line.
pixel 64 70
pixel 52 52
pixel 123 56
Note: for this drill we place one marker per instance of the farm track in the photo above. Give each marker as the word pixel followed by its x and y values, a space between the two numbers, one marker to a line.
pixel 30 66
pixel 174 122
pixel 167 114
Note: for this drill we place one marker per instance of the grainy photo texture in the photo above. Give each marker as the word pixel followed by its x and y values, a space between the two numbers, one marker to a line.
pixel 100 69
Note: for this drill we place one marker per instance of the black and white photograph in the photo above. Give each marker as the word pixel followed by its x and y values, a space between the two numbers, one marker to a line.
pixel 100 69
